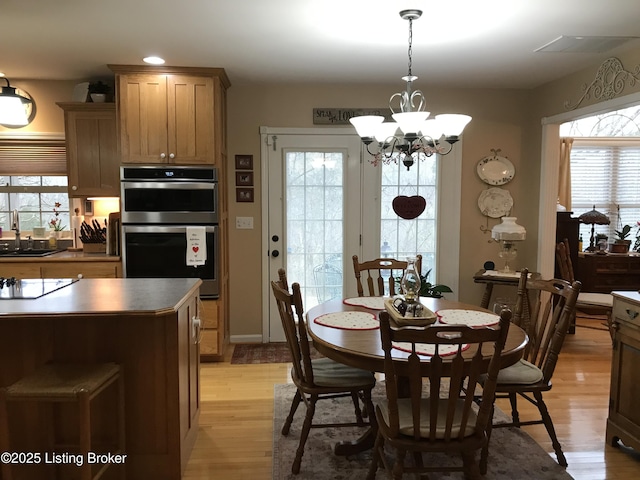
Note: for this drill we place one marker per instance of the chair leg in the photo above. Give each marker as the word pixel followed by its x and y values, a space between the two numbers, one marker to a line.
pixel 515 416
pixel 484 453
pixel 471 470
pixel 85 432
pixel 398 466
pixel 304 434
pixel 375 461
pixel 356 407
pixel 297 398
pixel 548 423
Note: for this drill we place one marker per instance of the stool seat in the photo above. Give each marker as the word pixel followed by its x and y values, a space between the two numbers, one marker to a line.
pixel 59 381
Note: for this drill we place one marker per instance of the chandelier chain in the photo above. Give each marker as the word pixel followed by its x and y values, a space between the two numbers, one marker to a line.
pixel 410 44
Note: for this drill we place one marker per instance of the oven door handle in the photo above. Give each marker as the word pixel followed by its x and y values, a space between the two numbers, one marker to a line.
pixel 170 185
pixel 164 228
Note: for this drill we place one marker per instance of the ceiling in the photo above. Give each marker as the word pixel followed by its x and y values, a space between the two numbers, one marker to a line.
pixel 458 43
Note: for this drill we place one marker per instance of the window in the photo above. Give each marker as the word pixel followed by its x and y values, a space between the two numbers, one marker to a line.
pixel 404 238
pixel 605 168
pixel 34 196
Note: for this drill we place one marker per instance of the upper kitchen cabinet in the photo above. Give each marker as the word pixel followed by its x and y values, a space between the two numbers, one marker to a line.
pixel 170 115
pixel 92 151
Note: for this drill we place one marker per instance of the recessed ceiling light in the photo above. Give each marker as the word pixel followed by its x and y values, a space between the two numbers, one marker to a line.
pixel 154 60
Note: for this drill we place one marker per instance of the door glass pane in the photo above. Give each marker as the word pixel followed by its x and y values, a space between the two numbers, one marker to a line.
pixel 314 203
pixel 404 238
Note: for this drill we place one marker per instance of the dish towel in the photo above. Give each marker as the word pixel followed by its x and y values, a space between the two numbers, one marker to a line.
pixel 196 246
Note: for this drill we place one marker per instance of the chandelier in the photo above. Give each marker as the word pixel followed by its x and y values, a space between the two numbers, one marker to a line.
pixel 421 137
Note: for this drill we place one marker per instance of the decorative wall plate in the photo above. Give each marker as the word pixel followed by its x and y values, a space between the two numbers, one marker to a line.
pixel 495 170
pixel 495 202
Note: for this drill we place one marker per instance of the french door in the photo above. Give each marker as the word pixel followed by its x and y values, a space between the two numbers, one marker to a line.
pixel 314 212
pixel 323 205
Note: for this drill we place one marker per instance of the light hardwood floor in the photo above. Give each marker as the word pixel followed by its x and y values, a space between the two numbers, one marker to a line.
pixel 235 436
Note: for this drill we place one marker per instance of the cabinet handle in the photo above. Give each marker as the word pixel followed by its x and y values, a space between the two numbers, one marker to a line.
pixel 163 155
pixel 632 314
pixel 171 155
pixel 74 187
pixel 197 330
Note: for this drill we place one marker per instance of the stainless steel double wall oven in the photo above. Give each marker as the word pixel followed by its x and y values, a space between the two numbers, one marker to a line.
pixel 159 204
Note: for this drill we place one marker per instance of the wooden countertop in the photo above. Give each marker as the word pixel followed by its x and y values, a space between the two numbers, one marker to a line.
pixel 64 256
pixel 106 296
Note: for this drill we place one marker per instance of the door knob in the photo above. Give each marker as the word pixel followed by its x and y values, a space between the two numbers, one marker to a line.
pixel 275 253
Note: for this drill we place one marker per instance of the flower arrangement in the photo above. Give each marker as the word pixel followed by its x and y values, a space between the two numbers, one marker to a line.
pixel 56 222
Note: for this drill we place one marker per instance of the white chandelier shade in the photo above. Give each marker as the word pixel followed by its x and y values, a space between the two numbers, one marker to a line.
pixel 420 135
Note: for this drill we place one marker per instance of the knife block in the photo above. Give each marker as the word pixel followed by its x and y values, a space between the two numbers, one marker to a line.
pixel 94 247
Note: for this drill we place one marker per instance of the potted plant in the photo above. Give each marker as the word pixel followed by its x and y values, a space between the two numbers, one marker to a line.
pixel 98 91
pixel 621 244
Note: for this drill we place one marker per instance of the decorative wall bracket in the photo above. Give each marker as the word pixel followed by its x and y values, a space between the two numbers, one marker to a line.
pixel 611 79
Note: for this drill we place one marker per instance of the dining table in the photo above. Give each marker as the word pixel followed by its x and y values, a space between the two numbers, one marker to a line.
pixel 347 331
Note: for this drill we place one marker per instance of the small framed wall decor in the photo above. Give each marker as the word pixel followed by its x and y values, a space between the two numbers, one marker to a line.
pixel 244 179
pixel 244 195
pixel 244 162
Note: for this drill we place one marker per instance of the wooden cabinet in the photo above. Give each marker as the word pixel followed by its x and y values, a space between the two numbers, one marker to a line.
pixel 569 228
pixel 86 269
pixel 177 115
pixel 92 153
pixel 61 269
pixel 170 115
pixel 213 335
pixel 19 270
pixel 624 416
pixel 604 273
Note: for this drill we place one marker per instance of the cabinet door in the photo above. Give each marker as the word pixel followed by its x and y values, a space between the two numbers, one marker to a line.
pixel 210 347
pixel 190 119
pixel 19 270
pixel 143 118
pixel 92 159
pixel 86 269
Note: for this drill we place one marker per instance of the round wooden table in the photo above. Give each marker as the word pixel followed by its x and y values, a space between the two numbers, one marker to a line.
pixel 363 349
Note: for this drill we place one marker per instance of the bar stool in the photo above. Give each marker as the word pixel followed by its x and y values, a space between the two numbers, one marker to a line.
pixel 59 382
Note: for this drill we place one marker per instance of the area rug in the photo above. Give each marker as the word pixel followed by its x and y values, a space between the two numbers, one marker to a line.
pixel 252 353
pixel 513 453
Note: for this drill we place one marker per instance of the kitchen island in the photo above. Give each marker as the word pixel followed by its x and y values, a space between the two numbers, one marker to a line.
pixel 145 325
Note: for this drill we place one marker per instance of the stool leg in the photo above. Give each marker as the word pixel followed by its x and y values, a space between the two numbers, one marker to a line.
pixel 5 468
pixel 84 418
pixel 121 424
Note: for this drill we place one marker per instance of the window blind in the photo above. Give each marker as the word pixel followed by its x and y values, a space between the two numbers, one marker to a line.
pixel 606 173
pixel 33 157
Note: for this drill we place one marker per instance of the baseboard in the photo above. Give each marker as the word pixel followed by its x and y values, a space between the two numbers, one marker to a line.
pixel 245 339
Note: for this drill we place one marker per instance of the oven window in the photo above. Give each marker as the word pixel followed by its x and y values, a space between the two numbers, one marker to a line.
pixel 169 200
pixel 163 255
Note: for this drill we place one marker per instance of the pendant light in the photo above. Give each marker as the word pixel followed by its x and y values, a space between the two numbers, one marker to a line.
pixel 12 107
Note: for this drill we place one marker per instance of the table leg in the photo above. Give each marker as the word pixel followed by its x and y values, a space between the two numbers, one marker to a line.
pixel 487 295
pixel 363 443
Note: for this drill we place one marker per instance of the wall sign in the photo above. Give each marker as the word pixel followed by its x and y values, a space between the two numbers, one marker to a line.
pixel 341 116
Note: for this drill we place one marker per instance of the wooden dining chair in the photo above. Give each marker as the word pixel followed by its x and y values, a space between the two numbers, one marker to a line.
pixel 380 275
pixel 439 418
pixel 316 379
pixel 588 303
pixel 552 307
